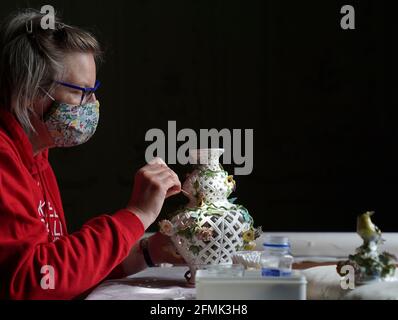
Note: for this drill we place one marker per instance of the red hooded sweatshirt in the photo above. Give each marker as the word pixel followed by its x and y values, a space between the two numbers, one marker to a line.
pixel 38 258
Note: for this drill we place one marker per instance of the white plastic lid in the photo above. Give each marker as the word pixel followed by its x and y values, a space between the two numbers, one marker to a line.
pixel 272 241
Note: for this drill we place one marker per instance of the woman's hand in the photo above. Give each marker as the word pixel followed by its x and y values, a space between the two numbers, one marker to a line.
pixel 153 184
pixel 162 250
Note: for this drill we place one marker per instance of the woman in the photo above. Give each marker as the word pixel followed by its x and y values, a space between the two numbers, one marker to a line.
pixel 47 99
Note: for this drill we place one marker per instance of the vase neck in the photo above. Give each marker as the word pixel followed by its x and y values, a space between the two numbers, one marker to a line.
pixel 207 159
pixel 210 166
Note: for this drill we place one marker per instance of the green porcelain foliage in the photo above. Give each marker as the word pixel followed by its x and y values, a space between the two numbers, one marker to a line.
pixel 209 187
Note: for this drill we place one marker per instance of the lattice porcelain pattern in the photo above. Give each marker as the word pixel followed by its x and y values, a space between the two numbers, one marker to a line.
pixel 210 229
pixel 227 238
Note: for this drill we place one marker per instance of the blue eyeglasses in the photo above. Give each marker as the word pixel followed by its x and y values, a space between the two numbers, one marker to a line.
pixel 87 93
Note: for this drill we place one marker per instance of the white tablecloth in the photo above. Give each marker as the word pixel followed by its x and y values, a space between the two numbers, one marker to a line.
pixel 170 284
pixel 325 284
pixel 150 284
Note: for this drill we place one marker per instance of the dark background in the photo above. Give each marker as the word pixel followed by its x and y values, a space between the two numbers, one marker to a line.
pixel 321 101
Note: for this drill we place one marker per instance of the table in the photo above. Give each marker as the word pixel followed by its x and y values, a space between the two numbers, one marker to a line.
pixel 167 283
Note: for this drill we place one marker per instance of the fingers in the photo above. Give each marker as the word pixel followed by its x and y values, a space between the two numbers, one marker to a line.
pixel 158 161
pixel 173 191
pixel 153 167
pixel 161 177
pixel 161 173
pixel 152 184
pixel 167 176
pixel 171 182
pixel 172 185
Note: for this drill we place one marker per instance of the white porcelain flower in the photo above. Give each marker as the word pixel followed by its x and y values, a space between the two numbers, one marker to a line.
pixel 166 227
pixel 186 223
pixel 205 234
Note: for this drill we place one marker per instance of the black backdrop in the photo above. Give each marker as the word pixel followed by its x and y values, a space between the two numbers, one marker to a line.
pixel 321 102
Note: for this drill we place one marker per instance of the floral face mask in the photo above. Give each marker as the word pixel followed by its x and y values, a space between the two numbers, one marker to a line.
pixel 71 125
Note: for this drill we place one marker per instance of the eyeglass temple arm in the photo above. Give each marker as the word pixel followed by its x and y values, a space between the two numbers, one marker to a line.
pixel 69 85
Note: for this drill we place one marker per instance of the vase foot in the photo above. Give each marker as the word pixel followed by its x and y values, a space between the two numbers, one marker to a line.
pixel 190 277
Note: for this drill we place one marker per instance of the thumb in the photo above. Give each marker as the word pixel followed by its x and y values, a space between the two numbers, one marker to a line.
pixel 173 191
pixel 157 161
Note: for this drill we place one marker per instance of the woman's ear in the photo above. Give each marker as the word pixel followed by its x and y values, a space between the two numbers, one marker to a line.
pixel 41 106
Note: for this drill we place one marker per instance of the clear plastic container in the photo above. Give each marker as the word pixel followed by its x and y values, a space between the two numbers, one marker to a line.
pixel 276 260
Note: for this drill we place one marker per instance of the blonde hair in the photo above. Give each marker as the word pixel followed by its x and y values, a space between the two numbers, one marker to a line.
pixel 32 58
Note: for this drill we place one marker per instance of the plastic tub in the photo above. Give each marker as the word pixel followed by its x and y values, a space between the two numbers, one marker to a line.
pixel 250 286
